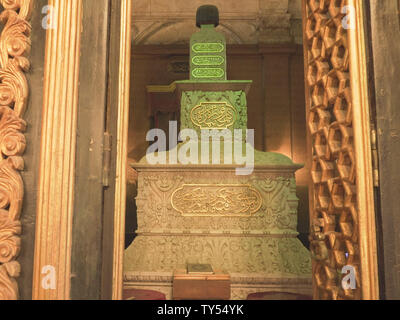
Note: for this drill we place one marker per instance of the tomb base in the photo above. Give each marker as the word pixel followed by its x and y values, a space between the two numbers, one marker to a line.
pixel 243 225
pixel 242 285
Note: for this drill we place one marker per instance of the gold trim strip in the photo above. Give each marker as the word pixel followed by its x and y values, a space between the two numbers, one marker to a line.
pixel 221 234
pixel 122 152
pixel 57 154
pixel 161 89
pixel 362 142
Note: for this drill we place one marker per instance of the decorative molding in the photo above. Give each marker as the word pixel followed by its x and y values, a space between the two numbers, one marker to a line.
pixel 57 154
pixel 272 257
pixel 362 143
pixel 341 201
pixel 241 285
pixel 14 45
pixel 122 149
pixel 236 278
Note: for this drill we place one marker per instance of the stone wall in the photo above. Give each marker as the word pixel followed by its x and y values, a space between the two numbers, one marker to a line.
pixel 249 22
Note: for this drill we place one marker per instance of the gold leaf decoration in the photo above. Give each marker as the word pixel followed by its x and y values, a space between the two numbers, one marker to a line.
pixel 14 46
pixel 216 200
pixel 213 115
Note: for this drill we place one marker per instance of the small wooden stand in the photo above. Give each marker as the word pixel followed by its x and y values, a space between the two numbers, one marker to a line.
pixel 215 286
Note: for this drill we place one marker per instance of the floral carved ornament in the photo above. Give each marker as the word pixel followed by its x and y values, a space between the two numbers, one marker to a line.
pixel 14 46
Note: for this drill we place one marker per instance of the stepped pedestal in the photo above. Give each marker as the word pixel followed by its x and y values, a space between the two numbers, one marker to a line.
pixel 244 225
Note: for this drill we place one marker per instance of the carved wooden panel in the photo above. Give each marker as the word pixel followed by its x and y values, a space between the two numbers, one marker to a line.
pixel 334 216
pixel 14 44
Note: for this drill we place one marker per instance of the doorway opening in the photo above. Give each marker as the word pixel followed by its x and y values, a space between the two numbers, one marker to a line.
pixel 270 56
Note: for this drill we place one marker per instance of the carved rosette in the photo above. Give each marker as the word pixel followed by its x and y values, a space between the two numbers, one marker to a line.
pixel 14 45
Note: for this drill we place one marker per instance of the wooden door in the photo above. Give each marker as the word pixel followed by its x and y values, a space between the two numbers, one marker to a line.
pixel 342 212
pixel 384 24
pixel 81 188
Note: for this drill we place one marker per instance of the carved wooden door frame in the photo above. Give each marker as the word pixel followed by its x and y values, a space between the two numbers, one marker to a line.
pixel 122 149
pixel 346 193
pixel 346 227
pixel 55 209
pixel 342 212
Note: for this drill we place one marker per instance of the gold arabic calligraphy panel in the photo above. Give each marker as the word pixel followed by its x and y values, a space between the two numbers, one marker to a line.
pixel 216 200
pixel 213 115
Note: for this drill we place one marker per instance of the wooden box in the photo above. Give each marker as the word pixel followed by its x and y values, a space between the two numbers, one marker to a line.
pixel 215 286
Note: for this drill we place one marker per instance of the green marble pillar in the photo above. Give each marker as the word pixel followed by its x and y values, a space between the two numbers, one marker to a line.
pixel 207 55
pixel 207 48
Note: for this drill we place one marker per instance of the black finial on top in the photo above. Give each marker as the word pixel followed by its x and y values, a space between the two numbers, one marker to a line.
pixel 207 14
